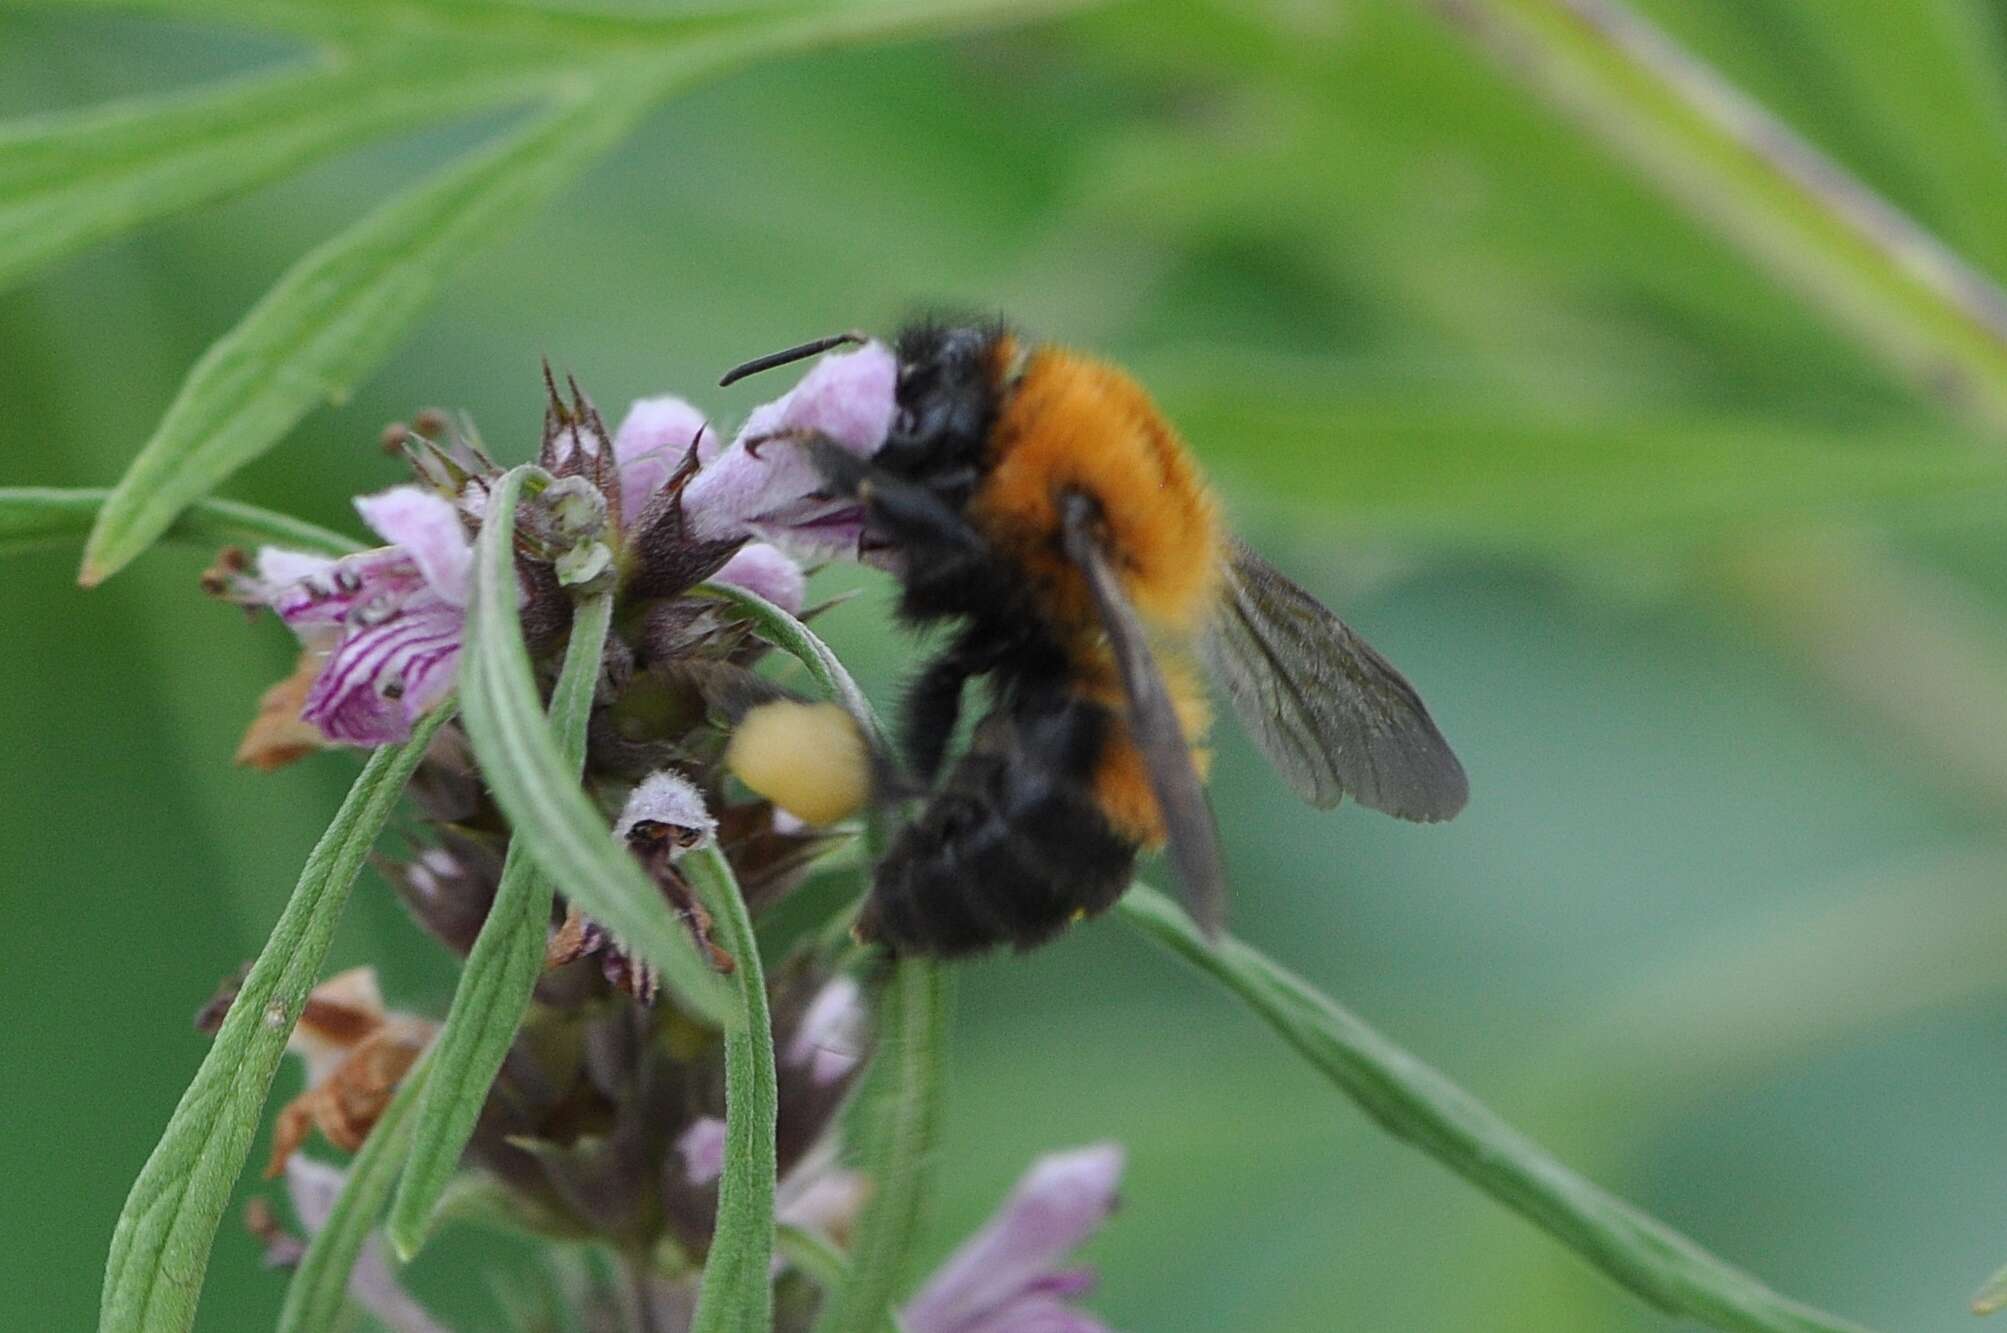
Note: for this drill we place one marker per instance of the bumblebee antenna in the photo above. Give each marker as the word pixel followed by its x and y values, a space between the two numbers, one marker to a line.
pixel 799 352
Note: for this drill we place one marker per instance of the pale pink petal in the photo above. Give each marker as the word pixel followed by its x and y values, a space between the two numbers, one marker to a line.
pixel 1059 1203
pixel 830 1037
pixel 281 568
pixel 766 571
pixel 665 797
pixel 850 397
pixel 651 441
pixel 702 1147
pixel 427 526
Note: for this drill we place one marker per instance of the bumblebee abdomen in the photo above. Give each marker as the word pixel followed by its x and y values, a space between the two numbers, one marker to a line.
pixel 1069 423
pixel 1013 848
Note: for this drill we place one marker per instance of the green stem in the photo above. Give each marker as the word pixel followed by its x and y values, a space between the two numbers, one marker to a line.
pixel 502 969
pixel 1415 1103
pixel 1899 289
pixel 911 1064
pixel 737 1290
pixel 36 516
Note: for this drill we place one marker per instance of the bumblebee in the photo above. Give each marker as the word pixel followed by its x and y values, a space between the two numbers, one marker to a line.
pixel 1036 504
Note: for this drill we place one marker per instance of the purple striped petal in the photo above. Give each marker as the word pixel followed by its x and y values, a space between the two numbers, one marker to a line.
pixel 381 676
pixel 370 584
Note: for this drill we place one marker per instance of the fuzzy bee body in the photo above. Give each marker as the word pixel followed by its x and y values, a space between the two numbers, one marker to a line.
pixel 1037 501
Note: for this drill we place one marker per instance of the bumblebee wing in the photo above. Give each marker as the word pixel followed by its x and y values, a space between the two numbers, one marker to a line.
pixel 1153 726
pixel 1330 713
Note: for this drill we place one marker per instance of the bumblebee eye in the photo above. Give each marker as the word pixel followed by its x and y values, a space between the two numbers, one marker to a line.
pixel 903 422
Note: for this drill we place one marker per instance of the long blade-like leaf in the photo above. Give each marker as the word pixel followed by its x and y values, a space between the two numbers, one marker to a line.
pixel 315 1296
pixel 737 1291
pixel 68 181
pixel 502 968
pixel 32 517
pixel 526 771
pixel 906 1084
pixel 1414 1102
pixel 1898 288
pixel 161 1245
pixel 338 312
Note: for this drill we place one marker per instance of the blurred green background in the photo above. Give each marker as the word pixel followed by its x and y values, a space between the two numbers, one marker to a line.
pixel 1714 608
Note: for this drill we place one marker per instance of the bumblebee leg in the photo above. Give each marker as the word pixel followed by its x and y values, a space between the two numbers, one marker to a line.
pixel 907 512
pixel 933 706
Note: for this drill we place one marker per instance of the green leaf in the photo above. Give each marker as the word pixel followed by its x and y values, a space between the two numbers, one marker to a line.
pixel 905 1082
pixel 502 969
pixel 32 517
pixel 315 1296
pixel 1415 1103
pixel 161 1245
pixel 1893 285
pixel 70 180
pixel 338 312
pixel 524 767
pixel 737 1290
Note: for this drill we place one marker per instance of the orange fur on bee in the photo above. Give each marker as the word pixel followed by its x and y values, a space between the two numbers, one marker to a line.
pixel 1071 423
pixel 1122 782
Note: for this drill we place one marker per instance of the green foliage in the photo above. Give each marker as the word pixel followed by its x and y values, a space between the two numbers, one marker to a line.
pixel 160 1248
pixel 1414 1102
pixel 1386 293
pixel 502 968
pixel 737 1288
pixel 526 770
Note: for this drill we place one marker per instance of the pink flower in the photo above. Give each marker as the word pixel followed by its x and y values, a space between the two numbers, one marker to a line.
pixel 390 620
pixel 764 484
pixel 1006 1278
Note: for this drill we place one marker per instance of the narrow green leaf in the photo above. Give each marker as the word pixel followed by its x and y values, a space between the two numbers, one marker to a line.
pixel 315 1296
pixel 906 1081
pixel 502 969
pixel 525 769
pixel 1415 1103
pixel 339 311
pixel 32 517
pixel 70 180
pixel 737 1291
pixel 160 1248
pixel 799 641
pixel 1896 287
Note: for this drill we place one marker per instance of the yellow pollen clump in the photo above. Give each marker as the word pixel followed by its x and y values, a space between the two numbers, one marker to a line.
pixel 808 759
